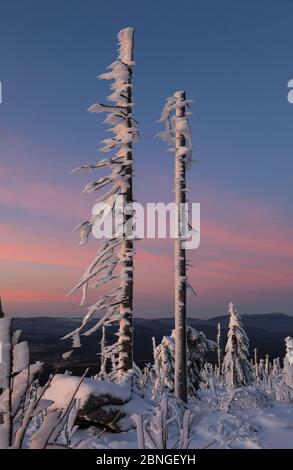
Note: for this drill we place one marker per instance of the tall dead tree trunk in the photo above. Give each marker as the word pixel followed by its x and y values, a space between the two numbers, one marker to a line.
pixel 180 256
pixel 125 341
pixel 219 348
pixel 178 135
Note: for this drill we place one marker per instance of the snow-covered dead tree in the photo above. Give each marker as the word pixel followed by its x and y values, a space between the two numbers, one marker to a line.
pixel 197 347
pixel 114 259
pixel 219 347
pixel 178 135
pixel 276 370
pixel 103 369
pixel 16 376
pixel 21 398
pixel 256 364
pixel 267 365
pixel 236 365
pixel 261 369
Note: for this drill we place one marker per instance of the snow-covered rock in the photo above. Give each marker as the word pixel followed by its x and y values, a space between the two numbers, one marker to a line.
pixel 62 388
pixel 100 402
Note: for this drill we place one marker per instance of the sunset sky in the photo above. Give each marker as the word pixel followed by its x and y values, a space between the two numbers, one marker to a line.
pixel 234 59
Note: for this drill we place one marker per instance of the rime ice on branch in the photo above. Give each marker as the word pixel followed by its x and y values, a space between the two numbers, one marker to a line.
pixel 114 259
pixel 178 135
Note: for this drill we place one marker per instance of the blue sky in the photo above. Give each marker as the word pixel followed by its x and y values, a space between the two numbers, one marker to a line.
pixel 233 58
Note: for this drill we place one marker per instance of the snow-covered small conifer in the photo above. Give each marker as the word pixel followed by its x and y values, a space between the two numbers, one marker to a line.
pixel 236 365
pixel 197 347
pixel 288 361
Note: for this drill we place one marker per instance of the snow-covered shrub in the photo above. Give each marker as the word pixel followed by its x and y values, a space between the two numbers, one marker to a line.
pixel 207 372
pixel 139 379
pixel 279 389
pixel 164 357
pixel 169 427
pixel 243 398
pixel 237 368
pixel 229 432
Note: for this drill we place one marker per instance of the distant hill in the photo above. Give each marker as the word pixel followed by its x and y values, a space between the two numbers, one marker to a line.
pixel 266 332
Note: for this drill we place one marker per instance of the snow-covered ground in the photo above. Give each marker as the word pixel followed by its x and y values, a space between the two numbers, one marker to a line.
pixel 270 427
pixel 224 410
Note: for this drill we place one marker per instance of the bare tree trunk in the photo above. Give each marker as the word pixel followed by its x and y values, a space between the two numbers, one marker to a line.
pixel 180 263
pixel 103 368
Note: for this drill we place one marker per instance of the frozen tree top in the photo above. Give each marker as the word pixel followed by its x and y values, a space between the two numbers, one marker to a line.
pixel 174 115
pixel 125 39
pixel 179 94
pixel 234 316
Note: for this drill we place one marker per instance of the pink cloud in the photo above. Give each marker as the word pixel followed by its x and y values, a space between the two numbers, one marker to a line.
pixel 270 241
pixel 246 246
